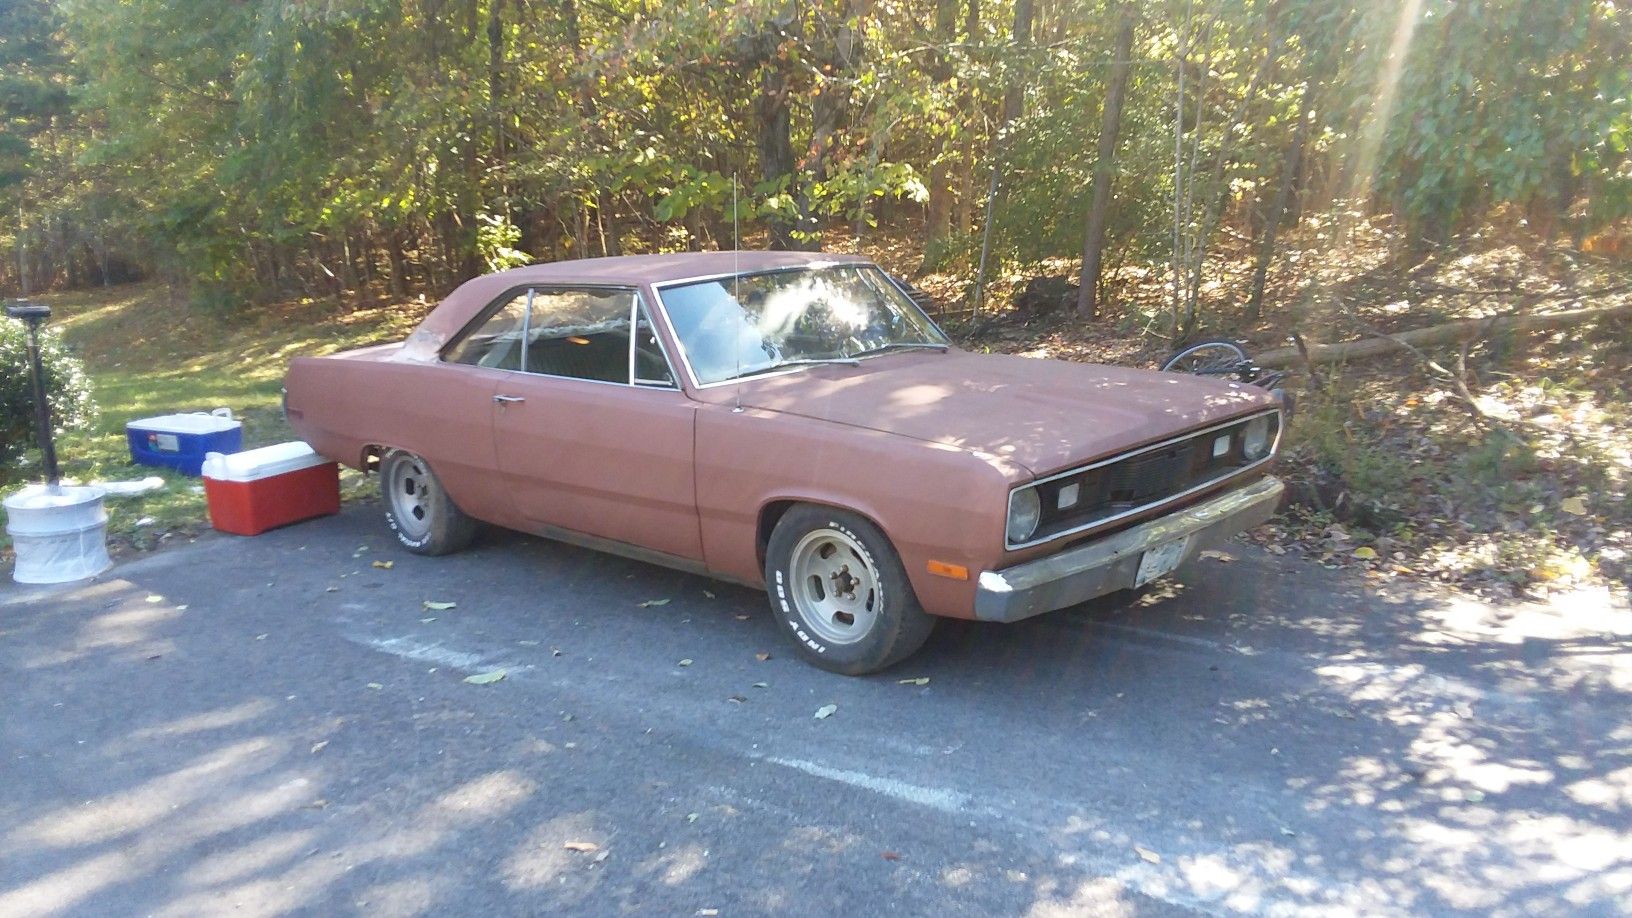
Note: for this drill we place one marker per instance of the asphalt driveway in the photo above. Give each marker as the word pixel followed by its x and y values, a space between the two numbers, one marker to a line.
pixel 279 725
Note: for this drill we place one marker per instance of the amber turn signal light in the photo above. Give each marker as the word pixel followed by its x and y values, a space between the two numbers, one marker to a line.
pixel 949 571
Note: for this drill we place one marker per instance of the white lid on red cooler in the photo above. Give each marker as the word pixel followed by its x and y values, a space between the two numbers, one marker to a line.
pixel 256 464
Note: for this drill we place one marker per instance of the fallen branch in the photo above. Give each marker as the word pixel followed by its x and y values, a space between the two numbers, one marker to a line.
pixel 1458 379
pixel 1449 333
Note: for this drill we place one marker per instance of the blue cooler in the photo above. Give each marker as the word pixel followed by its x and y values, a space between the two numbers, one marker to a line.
pixel 180 441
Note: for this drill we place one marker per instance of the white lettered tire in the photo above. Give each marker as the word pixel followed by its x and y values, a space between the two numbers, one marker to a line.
pixel 420 513
pixel 838 589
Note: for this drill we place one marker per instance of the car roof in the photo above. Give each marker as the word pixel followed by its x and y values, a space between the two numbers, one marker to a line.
pixel 659 269
pixel 474 295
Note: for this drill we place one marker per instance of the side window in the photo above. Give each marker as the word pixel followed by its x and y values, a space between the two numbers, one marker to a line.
pixel 496 342
pixel 582 333
pixel 651 363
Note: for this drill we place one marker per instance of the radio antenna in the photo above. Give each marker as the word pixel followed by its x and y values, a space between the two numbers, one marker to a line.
pixel 736 287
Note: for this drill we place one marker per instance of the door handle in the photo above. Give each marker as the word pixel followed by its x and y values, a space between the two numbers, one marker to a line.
pixel 508 399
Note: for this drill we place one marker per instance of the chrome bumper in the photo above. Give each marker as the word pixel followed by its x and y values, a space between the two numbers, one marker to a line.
pixel 1112 563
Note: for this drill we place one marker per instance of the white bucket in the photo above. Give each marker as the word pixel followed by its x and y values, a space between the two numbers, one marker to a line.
pixel 59 536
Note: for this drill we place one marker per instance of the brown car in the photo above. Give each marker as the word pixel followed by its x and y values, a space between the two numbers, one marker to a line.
pixel 792 422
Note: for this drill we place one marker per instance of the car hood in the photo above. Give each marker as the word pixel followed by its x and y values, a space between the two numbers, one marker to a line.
pixel 1045 415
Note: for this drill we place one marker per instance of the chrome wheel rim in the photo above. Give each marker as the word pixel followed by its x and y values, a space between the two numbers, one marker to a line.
pixel 408 486
pixel 835 586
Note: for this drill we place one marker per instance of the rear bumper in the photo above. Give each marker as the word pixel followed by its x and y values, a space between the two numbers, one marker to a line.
pixel 1112 563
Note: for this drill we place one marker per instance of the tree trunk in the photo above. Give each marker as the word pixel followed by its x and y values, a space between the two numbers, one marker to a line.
pixel 1014 98
pixel 1277 208
pixel 495 78
pixel 1449 333
pixel 1093 244
pixel 831 106
pixel 938 215
pixel 776 150
pixel 399 270
pixel 963 216
pixel 1013 104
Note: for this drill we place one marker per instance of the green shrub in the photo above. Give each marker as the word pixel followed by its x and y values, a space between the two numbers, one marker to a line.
pixel 67 390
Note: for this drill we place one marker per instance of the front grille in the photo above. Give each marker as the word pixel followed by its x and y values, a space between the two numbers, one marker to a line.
pixel 1122 486
pixel 1150 476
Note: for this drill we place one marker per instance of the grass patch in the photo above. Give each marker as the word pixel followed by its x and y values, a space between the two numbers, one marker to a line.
pixel 148 354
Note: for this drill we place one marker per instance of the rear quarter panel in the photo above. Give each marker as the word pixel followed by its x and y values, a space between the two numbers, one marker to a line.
pixel 345 403
pixel 933 501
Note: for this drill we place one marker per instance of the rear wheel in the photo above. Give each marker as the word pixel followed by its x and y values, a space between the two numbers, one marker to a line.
pixel 421 514
pixel 838 588
pixel 1208 358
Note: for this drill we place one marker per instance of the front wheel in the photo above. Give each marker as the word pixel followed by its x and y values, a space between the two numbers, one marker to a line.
pixel 421 514
pixel 838 588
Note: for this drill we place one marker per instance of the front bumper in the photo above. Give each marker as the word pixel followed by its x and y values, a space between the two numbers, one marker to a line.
pixel 1112 563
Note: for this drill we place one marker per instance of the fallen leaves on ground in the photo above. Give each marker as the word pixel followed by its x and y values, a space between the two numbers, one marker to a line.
pixel 318 746
pixel 1573 505
pixel 487 678
pixel 891 856
pixel 826 711
pixel 1213 554
pixel 375 686
pixel 685 662
pixel 582 847
pixel 647 604
pixel 1148 854
pixel 385 565
pixel 762 657
pixel 435 606
pixel 921 680
pixel 1366 553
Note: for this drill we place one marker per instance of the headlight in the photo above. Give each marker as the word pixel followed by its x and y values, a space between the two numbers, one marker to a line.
pixel 1255 438
pixel 1025 509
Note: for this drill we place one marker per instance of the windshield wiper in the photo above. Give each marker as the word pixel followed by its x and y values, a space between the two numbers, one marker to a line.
pixel 800 362
pixel 809 361
pixel 905 346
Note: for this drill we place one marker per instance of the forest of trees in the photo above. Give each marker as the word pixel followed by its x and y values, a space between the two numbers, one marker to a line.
pixel 257 149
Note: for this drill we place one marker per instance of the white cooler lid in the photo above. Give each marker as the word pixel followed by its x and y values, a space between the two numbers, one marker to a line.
pixel 185 423
pixel 255 464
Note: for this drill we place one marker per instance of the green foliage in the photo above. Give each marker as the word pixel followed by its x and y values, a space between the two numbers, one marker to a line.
pixel 1350 458
pixel 496 239
pixel 67 390
pixel 267 148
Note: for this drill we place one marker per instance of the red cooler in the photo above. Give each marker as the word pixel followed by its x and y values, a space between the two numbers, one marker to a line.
pixel 261 489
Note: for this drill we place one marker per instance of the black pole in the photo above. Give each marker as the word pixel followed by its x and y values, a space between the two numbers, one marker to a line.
pixel 35 315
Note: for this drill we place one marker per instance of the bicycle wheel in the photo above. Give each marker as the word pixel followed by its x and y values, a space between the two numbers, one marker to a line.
pixel 1208 358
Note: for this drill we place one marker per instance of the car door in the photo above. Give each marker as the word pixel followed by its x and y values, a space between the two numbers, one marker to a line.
pixel 591 432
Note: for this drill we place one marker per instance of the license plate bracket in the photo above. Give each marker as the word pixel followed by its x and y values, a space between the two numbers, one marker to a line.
pixel 1160 560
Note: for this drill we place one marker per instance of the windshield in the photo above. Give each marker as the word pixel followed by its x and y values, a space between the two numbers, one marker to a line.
pixel 732 327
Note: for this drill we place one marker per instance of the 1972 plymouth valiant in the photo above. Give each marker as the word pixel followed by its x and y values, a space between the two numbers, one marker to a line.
pixel 790 421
